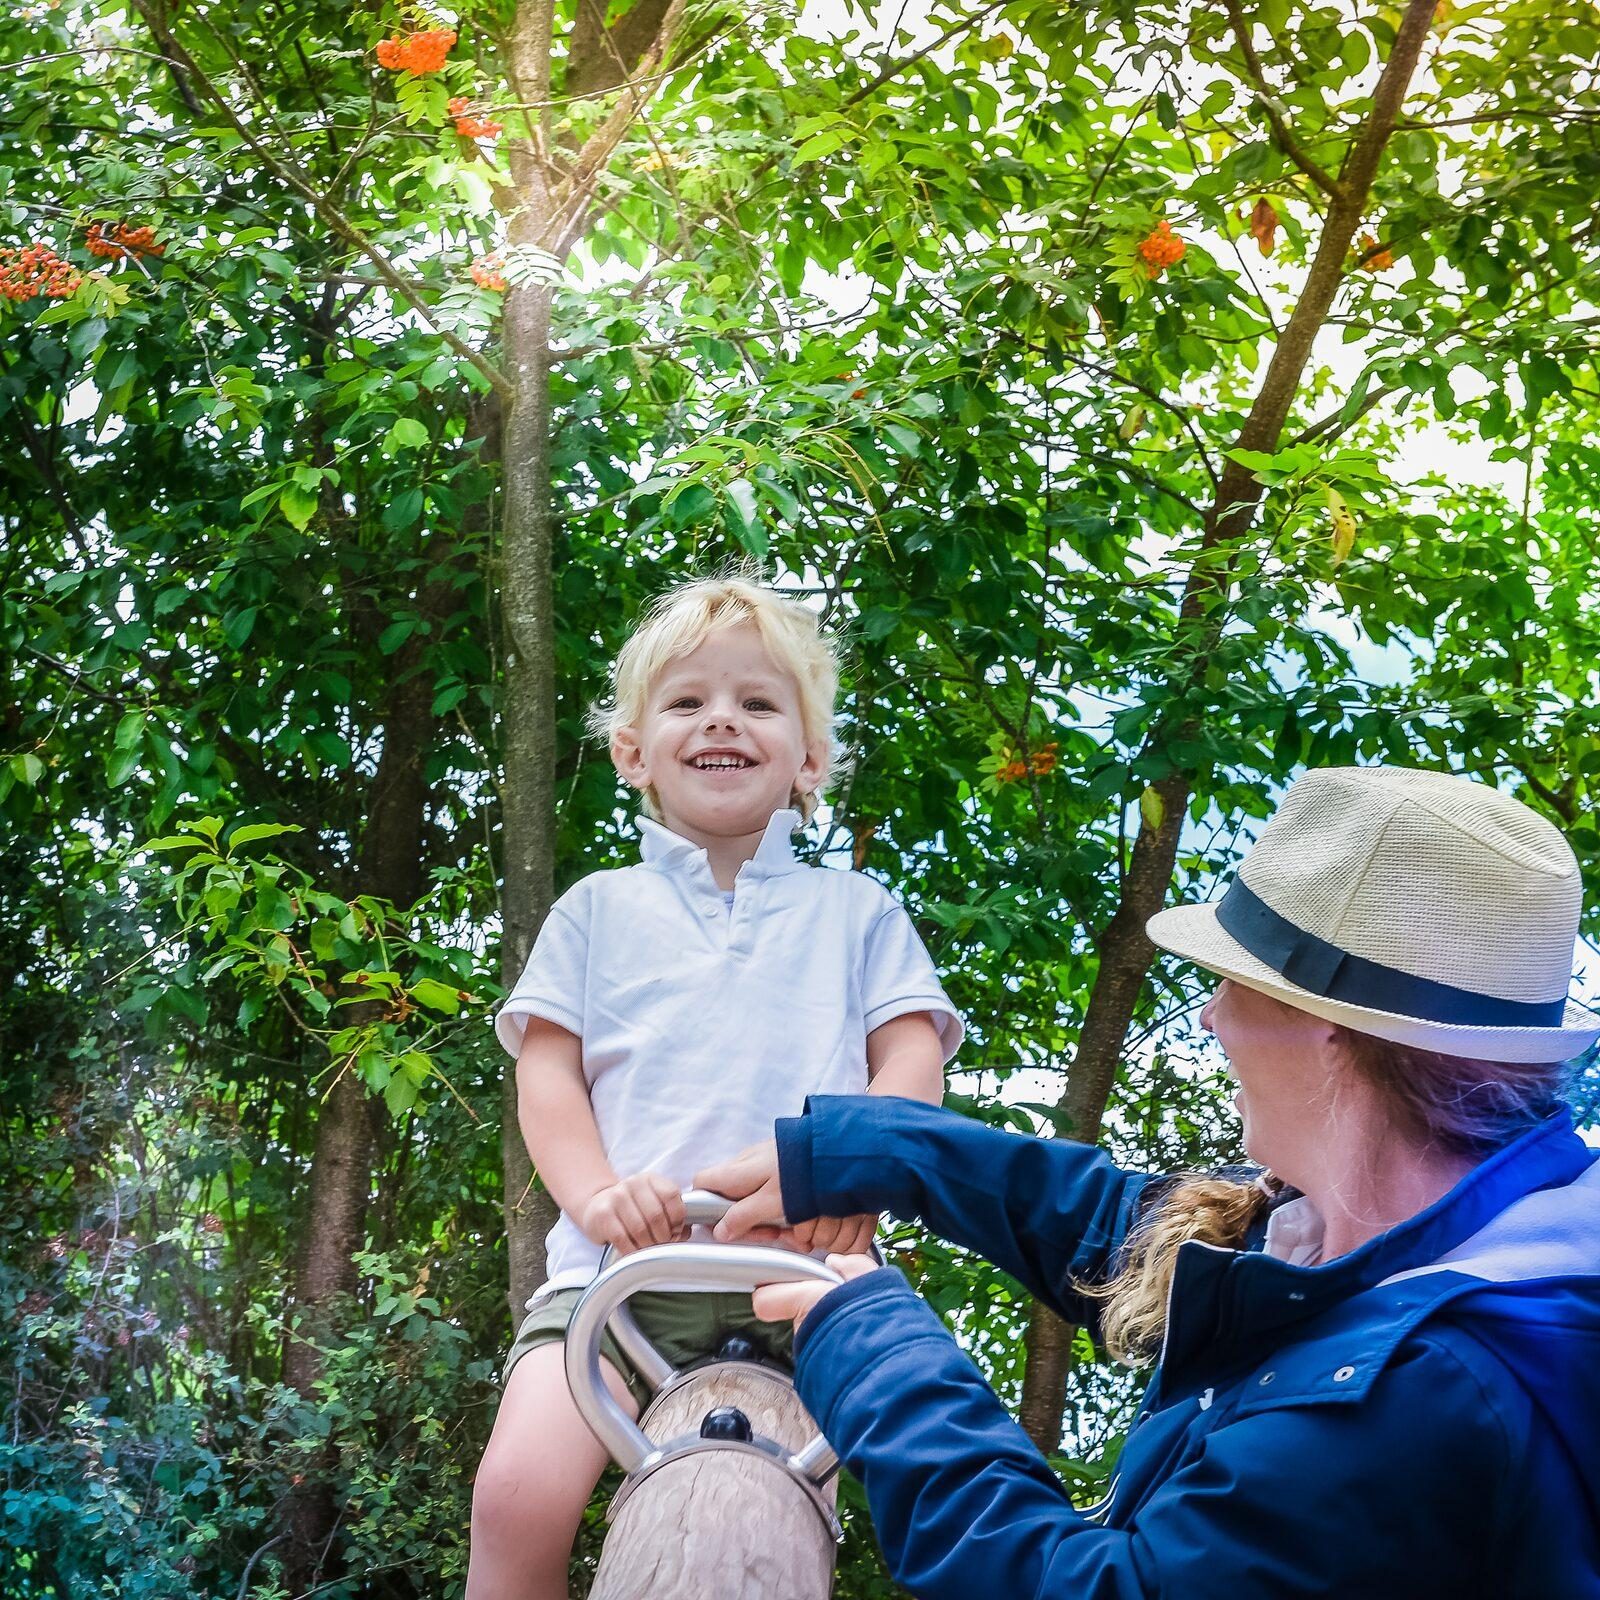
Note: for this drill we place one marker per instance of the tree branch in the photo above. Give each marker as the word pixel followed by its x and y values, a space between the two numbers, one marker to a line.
pixel 1282 135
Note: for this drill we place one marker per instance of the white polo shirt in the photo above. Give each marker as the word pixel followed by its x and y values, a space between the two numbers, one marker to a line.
pixel 702 1021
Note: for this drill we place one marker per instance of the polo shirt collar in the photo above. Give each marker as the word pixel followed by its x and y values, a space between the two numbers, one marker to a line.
pixel 667 851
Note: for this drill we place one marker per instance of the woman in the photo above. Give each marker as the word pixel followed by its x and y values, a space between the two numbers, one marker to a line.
pixel 1379 1367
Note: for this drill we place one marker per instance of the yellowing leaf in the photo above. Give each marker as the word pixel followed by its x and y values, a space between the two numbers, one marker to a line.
pixel 1152 808
pixel 1342 522
pixel 1131 423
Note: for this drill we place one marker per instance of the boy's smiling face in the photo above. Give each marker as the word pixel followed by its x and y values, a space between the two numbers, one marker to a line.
pixel 721 740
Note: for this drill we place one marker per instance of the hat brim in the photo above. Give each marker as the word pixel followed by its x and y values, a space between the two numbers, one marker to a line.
pixel 1194 933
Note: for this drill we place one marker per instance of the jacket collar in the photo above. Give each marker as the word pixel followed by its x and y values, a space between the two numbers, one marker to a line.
pixel 1225 1303
pixel 667 851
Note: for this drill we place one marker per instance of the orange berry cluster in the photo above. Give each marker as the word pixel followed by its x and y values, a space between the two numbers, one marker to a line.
pixel 36 269
pixel 416 53
pixel 1040 762
pixel 1372 259
pixel 470 127
pixel 488 272
pixel 1160 249
pixel 116 241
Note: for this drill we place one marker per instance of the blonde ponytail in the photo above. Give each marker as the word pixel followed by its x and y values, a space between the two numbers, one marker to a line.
pixel 1215 1211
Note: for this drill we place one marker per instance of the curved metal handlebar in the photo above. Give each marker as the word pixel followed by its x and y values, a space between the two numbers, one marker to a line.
pixel 722 1266
pixel 701 1209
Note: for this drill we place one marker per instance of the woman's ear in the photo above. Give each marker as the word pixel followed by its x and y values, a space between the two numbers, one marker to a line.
pixel 628 758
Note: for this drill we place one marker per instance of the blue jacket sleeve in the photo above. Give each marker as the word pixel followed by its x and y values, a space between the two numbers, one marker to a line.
pixel 1396 1494
pixel 1048 1211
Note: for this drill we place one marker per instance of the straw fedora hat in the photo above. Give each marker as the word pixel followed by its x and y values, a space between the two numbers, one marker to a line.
pixel 1417 906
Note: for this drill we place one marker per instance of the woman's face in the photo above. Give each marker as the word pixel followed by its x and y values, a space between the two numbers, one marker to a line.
pixel 1285 1065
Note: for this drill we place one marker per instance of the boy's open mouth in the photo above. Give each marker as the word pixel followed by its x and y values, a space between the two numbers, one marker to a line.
pixel 719 761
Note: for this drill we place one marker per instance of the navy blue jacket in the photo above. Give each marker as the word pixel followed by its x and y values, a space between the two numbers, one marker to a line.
pixel 1420 1417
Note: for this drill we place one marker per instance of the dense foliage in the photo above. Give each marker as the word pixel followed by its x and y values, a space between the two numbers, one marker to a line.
pixel 982 326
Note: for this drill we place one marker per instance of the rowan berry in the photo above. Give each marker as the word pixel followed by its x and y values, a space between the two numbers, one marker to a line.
pixel 1160 249
pixel 116 241
pixel 488 273
pixel 1373 259
pixel 416 53
pixel 36 269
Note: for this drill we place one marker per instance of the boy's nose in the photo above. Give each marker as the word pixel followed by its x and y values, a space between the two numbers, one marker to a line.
pixel 722 717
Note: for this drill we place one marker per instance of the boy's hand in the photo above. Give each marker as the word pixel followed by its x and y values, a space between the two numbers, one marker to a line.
pixel 637 1211
pixel 779 1302
pixel 844 1236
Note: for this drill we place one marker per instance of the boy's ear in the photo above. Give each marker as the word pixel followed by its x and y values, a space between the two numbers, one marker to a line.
pixel 815 764
pixel 628 758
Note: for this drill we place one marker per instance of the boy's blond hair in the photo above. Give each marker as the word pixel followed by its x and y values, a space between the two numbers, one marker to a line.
pixel 678 621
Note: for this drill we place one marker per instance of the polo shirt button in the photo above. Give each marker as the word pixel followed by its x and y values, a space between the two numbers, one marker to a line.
pixel 1266 1378
pixel 713 911
pixel 1344 1374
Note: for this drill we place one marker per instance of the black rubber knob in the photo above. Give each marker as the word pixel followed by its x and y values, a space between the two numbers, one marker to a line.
pixel 736 1348
pixel 726 1422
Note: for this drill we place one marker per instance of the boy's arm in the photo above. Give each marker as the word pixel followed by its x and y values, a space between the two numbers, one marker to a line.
pixel 905 1057
pixel 563 1143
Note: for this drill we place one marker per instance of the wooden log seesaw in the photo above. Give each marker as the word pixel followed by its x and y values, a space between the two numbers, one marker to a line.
pixel 729 1492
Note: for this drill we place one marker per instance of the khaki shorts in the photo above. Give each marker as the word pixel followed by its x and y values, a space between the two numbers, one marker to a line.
pixel 684 1327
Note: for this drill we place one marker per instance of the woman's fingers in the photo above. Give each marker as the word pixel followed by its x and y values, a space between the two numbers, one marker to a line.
pixel 763 1208
pixel 787 1302
pixel 744 1174
pixel 855 1235
pixel 854 1266
pixel 792 1302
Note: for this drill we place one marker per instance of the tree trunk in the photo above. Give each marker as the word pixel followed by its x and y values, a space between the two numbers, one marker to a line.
pixel 720 1524
pixel 601 58
pixel 1125 951
pixel 350 1121
pixel 527 625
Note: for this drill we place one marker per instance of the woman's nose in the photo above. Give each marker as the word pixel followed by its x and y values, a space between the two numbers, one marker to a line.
pixel 1206 1011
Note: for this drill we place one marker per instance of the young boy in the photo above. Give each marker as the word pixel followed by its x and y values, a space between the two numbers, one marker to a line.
pixel 670 1011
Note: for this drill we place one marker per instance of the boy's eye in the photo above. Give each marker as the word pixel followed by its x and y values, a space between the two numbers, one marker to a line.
pixel 759 704
pixel 684 702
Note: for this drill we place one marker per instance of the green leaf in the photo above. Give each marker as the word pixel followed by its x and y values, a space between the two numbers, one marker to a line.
pixel 120 765
pixel 748 526
pixel 237 626
pixel 26 768
pixel 396 635
pixel 904 439
pixel 252 831
pixel 436 996
pixel 298 506
pixel 406 434
pixel 403 511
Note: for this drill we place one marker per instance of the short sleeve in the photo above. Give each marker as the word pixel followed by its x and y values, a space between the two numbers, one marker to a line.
pixel 553 981
pixel 898 978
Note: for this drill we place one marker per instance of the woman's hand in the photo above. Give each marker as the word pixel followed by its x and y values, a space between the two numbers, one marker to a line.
pixel 750 1178
pixel 782 1302
pixel 843 1236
